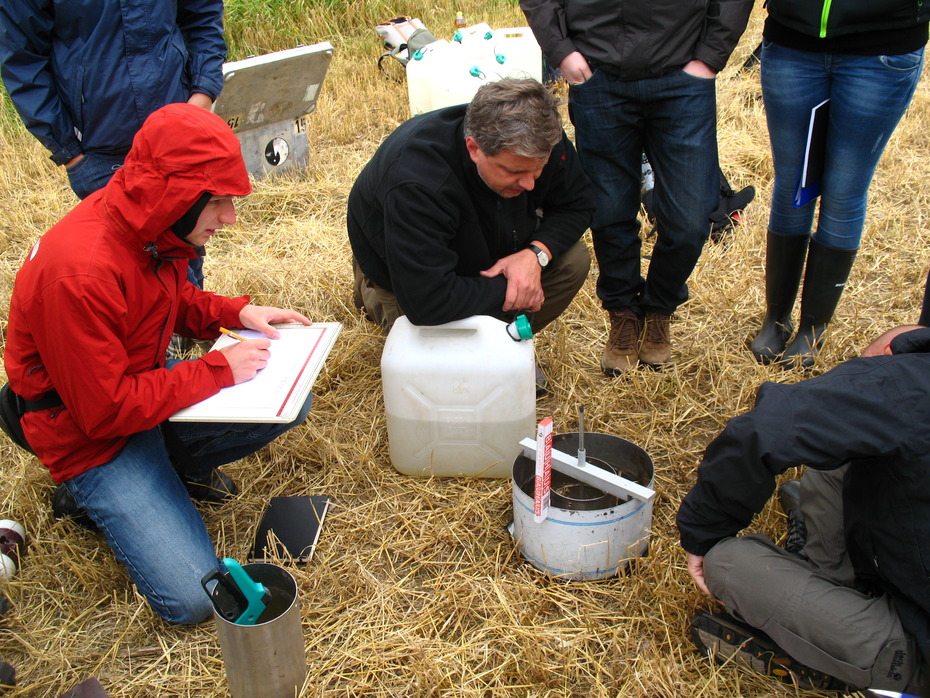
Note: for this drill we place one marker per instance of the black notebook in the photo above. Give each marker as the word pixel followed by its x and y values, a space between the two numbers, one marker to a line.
pixel 290 528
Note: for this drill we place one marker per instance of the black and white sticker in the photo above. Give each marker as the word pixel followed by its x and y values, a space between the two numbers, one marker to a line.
pixel 276 151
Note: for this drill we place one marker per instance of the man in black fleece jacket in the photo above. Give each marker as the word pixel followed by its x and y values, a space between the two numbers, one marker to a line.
pixel 472 211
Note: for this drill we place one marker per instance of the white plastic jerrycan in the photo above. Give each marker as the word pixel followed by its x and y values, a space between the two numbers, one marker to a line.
pixel 459 397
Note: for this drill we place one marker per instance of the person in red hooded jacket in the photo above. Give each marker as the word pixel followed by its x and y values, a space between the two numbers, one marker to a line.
pixel 93 309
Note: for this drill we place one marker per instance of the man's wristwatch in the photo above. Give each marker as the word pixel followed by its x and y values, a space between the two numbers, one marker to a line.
pixel 541 255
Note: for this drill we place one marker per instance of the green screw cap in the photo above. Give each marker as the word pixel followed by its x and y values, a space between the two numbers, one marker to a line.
pixel 520 328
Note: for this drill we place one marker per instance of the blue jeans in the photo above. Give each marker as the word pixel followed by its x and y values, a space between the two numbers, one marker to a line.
pixel 139 502
pixel 868 96
pixel 673 120
pixel 93 172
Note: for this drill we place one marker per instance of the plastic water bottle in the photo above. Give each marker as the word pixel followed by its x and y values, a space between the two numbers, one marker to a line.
pixel 459 21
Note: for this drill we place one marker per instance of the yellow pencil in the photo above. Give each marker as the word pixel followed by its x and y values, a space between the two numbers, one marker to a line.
pixel 232 334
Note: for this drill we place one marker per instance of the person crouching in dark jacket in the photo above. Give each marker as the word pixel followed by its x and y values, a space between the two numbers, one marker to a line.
pixel 850 605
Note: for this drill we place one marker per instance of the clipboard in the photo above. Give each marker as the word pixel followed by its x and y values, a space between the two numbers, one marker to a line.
pixel 279 390
pixel 815 154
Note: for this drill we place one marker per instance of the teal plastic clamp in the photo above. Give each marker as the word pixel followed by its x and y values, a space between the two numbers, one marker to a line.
pixel 475 72
pixel 457 36
pixel 418 54
pixel 500 58
pixel 255 593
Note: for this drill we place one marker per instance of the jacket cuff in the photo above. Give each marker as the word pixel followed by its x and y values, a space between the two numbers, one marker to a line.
pixel 694 546
pixel 221 370
pixel 556 246
pixel 202 83
pixel 560 52
pixel 68 151
pixel 230 315
pixel 913 342
pixel 709 57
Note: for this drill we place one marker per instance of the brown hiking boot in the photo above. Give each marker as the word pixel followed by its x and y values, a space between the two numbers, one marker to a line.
pixel 657 339
pixel 620 353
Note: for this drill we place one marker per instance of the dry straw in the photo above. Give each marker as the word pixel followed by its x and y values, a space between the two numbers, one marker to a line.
pixel 416 589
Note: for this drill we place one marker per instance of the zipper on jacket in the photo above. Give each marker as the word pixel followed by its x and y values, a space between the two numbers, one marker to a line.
pixel 159 266
pixel 824 15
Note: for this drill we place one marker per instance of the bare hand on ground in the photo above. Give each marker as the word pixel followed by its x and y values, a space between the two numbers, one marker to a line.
pixel 696 570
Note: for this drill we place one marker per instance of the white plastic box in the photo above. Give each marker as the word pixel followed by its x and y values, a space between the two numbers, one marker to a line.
pixel 443 74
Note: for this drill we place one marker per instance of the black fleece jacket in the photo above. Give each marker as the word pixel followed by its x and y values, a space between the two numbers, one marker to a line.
pixel 423 224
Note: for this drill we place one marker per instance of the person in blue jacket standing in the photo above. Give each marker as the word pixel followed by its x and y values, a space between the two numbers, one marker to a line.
pixel 85 74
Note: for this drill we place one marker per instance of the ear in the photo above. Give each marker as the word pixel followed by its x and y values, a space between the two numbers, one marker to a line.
pixel 473 149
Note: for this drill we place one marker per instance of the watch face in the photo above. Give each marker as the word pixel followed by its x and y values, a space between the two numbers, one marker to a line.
pixel 541 255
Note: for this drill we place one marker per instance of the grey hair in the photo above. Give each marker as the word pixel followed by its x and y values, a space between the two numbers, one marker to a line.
pixel 518 114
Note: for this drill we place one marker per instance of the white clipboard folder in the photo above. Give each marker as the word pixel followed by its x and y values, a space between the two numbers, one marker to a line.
pixel 815 155
pixel 279 390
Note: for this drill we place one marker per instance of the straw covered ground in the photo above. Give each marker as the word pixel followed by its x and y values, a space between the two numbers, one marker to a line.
pixel 416 589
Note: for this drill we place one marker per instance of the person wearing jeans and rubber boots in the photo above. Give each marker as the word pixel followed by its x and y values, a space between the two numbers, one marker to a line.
pixel 866 59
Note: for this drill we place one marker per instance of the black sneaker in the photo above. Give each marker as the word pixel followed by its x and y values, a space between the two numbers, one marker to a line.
pixel 727 640
pixel 64 507
pixel 789 495
pixel 215 489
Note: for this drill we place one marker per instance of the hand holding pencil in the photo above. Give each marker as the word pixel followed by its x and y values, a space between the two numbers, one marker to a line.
pixel 249 356
pixel 246 357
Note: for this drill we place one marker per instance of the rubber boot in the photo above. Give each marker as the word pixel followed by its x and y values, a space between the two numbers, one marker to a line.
pixel 784 264
pixel 824 280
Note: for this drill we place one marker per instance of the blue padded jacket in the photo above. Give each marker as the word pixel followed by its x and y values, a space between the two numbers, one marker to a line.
pixel 84 74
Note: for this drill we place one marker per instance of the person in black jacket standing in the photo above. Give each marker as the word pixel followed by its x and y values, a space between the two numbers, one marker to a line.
pixel 472 211
pixel 642 80
pixel 853 607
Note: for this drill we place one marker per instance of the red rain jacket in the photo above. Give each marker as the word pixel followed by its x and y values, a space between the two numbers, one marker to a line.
pixel 99 295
